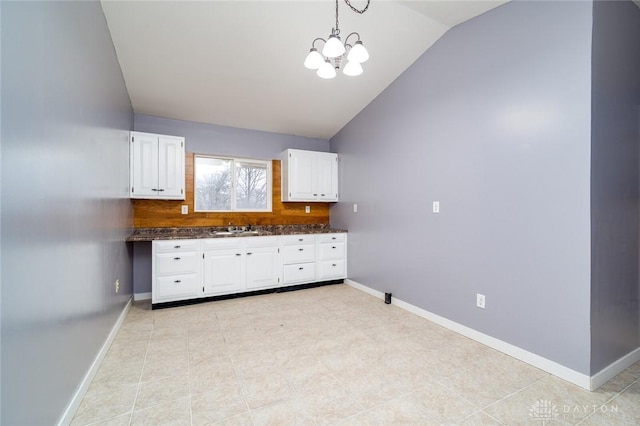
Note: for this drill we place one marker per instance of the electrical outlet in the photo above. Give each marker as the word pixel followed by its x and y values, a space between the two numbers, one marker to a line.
pixel 185 209
pixel 436 206
pixel 307 209
pixel 117 285
pixel 480 300
pixel 355 208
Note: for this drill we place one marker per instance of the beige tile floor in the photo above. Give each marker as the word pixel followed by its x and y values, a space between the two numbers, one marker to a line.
pixel 329 355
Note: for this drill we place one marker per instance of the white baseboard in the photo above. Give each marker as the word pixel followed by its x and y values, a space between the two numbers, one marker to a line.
pixel 551 367
pixel 73 405
pixel 615 368
pixel 141 296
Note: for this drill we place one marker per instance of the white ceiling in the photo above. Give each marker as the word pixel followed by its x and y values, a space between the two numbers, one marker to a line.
pixel 239 63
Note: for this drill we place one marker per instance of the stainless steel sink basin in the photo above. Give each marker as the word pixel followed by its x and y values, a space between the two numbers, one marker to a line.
pixel 238 232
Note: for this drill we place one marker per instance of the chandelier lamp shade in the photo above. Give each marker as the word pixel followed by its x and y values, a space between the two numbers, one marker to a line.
pixel 329 61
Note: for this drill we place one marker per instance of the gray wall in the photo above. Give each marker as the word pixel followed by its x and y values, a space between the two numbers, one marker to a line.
pixel 204 138
pixel 493 121
pixel 615 140
pixel 65 211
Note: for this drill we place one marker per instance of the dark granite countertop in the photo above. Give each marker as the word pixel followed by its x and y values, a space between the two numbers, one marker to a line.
pixel 150 234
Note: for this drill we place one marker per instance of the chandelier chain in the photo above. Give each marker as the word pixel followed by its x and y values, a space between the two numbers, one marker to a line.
pixel 352 8
pixel 358 10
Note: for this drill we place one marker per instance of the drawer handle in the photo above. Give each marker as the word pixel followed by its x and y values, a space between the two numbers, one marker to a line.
pixel 334 265
pixel 158 190
pixel 333 247
pixel 315 195
pixel 300 269
pixel 177 281
pixel 333 238
pixel 176 247
pixel 249 254
pixel 238 254
pixel 300 239
pixel 322 195
pixel 176 258
pixel 300 249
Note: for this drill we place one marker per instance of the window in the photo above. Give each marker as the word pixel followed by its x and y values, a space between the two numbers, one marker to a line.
pixel 232 184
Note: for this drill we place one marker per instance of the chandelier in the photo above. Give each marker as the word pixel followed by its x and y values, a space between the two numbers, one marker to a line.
pixel 334 52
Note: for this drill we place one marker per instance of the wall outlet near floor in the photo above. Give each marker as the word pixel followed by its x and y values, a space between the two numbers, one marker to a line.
pixel 436 206
pixel 480 300
pixel 117 285
pixel 307 209
pixel 185 209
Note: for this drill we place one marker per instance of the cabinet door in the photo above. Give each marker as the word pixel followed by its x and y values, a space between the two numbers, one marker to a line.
pixel 144 165
pixel 301 176
pixel 327 177
pixel 223 271
pixel 263 267
pixel 170 167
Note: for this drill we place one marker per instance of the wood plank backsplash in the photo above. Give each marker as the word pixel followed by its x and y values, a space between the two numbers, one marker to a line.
pixel 166 213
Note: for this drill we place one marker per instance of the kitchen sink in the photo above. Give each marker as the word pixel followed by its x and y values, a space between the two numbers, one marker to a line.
pixel 238 232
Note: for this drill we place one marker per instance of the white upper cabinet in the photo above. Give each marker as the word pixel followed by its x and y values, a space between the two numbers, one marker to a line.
pixel 309 176
pixel 157 166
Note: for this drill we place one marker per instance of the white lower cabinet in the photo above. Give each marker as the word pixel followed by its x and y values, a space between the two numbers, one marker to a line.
pixel 223 266
pixel 235 265
pixel 299 258
pixel 176 270
pixel 332 253
pixel 263 265
pixel 190 269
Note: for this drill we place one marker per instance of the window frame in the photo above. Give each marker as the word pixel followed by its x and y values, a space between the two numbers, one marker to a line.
pixel 233 195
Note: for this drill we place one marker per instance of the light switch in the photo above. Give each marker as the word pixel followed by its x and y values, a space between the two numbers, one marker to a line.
pixel 355 208
pixel 436 206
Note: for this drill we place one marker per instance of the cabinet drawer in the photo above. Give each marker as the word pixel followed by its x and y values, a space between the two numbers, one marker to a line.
pixel 299 254
pixel 330 238
pixel 175 246
pixel 176 287
pixel 178 263
pixel 299 273
pixel 298 239
pixel 329 251
pixel 331 270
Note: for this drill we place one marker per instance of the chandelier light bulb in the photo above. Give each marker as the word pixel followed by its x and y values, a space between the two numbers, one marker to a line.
pixel 314 59
pixel 352 69
pixel 326 70
pixel 333 47
pixel 358 53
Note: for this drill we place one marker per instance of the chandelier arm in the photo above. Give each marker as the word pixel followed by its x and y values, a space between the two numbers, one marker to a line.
pixel 353 33
pixel 353 8
pixel 313 43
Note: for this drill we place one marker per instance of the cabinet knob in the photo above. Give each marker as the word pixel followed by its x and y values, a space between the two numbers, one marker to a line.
pixel 238 254
pixel 176 247
pixel 333 247
pixel 300 239
pixel 333 238
pixel 334 264
pixel 176 258
pixel 177 281
pixel 300 269
pixel 249 254
pixel 315 195
pixel 322 195
pixel 300 249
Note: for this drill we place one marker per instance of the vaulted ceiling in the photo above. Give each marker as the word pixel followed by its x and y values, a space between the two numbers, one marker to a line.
pixel 239 63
